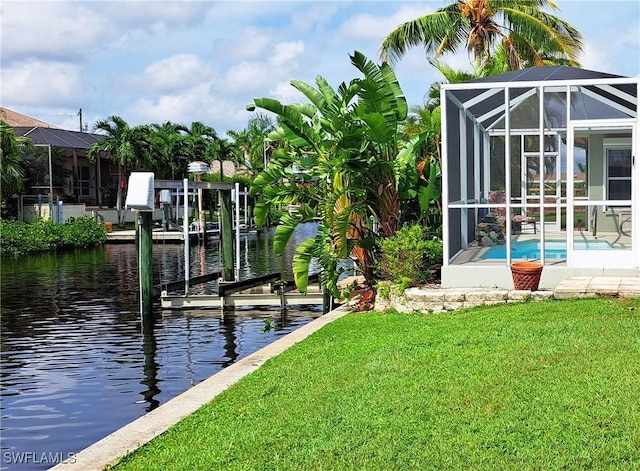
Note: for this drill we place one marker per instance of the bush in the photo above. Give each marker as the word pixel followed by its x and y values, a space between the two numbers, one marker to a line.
pixel 19 238
pixel 82 232
pixel 407 256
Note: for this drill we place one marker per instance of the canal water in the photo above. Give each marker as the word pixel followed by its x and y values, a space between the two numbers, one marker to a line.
pixel 75 362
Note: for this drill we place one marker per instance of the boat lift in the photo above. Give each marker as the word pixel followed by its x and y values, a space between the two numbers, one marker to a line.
pixel 266 290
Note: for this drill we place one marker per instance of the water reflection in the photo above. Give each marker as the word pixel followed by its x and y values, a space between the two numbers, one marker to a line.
pixel 76 361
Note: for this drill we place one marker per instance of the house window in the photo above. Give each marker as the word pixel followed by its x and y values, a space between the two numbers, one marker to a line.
pixel 83 181
pixel 619 174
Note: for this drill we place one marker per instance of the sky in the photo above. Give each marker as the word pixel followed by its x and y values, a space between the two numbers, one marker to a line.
pixel 184 61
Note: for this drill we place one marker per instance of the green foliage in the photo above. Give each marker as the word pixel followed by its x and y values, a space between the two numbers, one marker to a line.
pixel 244 180
pixel 528 35
pixel 12 172
pixel 345 165
pixel 409 258
pixel 19 238
pixel 385 288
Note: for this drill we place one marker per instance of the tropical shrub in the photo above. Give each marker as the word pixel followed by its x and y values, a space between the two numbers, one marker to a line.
pixel 409 257
pixel 82 232
pixel 19 238
pixel 345 166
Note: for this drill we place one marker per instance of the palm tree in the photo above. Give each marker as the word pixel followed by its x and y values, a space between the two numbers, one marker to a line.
pixel 129 146
pixel 529 35
pixel 252 144
pixel 199 142
pixel 168 150
pixel 241 145
pixel 12 174
pixel 343 167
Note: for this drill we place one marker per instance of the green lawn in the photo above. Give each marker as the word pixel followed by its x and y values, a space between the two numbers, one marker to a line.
pixel 548 385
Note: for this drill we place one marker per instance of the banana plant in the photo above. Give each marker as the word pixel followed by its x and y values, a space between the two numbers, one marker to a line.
pixel 339 167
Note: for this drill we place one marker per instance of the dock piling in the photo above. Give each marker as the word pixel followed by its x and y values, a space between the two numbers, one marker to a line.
pixel 226 234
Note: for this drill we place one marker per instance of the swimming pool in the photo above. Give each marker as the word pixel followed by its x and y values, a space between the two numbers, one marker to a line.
pixel 553 250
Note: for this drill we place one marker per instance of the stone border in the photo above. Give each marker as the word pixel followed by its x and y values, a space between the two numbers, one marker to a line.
pixel 142 430
pixel 449 299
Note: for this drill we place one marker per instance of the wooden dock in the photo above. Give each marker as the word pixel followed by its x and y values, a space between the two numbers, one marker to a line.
pixel 170 237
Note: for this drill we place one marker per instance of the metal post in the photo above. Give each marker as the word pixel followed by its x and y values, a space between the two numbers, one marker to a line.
pixel 201 219
pixel 50 185
pixel 237 264
pixel 60 218
pixel 246 207
pixel 185 232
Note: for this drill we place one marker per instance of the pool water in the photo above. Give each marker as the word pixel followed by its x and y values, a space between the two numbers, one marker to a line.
pixel 554 249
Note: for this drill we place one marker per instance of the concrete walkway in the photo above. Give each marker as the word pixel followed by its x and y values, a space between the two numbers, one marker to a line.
pixel 142 430
pixel 594 286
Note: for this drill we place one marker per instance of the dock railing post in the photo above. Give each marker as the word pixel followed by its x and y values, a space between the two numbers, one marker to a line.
pixel 237 257
pixel 185 231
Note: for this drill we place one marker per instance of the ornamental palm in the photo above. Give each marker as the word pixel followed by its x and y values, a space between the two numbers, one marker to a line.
pixel 530 36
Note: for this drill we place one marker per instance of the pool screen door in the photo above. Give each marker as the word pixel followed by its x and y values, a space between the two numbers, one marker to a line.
pixel 601 214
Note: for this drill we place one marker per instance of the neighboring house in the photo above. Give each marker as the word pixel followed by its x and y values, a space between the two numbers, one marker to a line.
pixel 88 183
pixel 510 138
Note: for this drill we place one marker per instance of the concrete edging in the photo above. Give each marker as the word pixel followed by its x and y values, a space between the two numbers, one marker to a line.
pixel 108 450
pixel 450 299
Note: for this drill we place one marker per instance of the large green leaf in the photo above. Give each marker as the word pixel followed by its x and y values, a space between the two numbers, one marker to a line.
pixel 288 224
pixel 260 213
pixel 327 91
pixel 378 129
pixel 292 116
pixel 302 263
pixel 431 190
pixel 381 92
pixel 313 95
pixel 389 75
pixel 283 234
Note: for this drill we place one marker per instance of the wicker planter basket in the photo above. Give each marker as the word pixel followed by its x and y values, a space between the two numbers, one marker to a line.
pixel 526 275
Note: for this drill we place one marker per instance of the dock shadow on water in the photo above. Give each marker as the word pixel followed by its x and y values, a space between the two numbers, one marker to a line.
pixel 76 361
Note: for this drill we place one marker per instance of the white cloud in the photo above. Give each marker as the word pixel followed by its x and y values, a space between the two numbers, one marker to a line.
pixel 252 43
pixel 175 72
pixel 286 93
pixel 180 107
pixel 247 76
pixel 54 30
pixel 368 26
pixel 607 59
pixel 285 52
pixel 195 104
pixel 35 83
